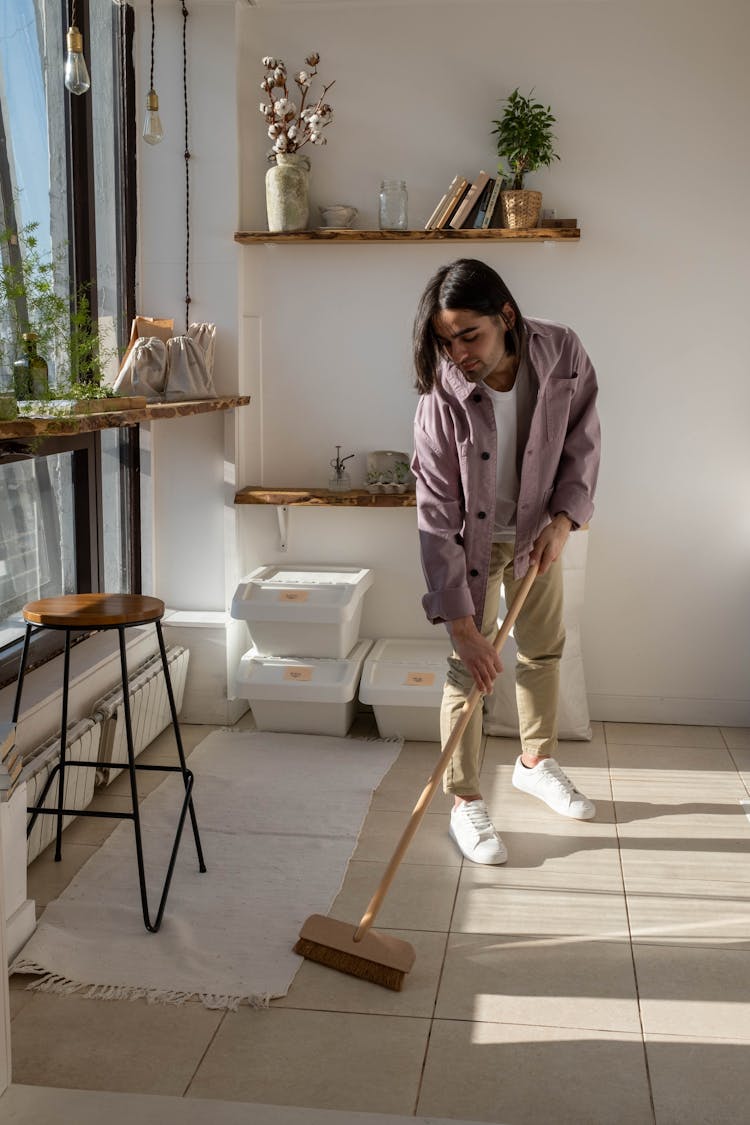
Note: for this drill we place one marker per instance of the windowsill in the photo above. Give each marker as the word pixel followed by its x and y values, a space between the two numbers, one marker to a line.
pixel 112 419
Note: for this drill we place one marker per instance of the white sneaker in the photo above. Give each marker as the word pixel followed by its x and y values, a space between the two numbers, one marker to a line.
pixel 475 834
pixel 548 782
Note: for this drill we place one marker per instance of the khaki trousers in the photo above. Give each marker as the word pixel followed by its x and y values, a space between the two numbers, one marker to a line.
pixel 540 637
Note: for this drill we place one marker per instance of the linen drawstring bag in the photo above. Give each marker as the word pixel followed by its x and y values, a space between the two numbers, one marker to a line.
pixel 205 335
pixel 187 373
pixel 144 371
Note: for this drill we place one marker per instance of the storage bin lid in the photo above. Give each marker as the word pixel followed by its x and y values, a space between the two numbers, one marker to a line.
pixel 314 594
pixel 296 679
pixel 410 672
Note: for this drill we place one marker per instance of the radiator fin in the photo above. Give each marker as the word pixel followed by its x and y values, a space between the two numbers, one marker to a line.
pixel 149 710
pixel 82 744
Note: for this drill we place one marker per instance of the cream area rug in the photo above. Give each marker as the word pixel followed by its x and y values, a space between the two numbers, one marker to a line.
pixel 279 817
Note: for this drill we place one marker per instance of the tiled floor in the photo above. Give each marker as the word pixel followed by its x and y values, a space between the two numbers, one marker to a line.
pixel 602 976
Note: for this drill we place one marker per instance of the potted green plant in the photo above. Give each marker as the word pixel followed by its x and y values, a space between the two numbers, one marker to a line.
pixel 38 316
pixel 525 142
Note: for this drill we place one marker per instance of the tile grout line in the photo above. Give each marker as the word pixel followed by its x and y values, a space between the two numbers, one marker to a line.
pixel 202 1058
pixel 630 932
pixel 423 1067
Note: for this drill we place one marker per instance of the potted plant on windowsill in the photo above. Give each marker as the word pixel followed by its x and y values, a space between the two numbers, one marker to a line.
pixel 41 324
pixel 525 142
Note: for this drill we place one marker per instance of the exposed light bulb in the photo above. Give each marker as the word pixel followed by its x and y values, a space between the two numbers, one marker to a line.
pixel 152 128
pixel 76 75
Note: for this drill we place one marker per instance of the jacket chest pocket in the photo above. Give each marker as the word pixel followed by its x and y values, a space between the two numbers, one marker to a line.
pixel 557 398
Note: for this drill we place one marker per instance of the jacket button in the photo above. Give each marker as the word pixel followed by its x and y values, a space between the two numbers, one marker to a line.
pixel 477 398
pixel 485 456
pixel 474 573
pixel 481 515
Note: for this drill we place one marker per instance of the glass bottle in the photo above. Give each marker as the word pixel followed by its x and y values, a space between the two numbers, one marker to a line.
pixel 30 373
pixel 393 205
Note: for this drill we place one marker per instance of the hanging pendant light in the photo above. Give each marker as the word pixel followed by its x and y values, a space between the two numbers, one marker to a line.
pixel 76 73
pixel 152 127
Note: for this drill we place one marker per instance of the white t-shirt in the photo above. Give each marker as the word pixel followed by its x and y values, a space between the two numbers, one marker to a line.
pixel 504 404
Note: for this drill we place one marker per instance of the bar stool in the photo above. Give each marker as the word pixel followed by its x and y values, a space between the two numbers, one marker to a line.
pixel 95 612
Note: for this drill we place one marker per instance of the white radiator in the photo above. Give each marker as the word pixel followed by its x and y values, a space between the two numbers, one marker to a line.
pixel 82 744
pixel 149 709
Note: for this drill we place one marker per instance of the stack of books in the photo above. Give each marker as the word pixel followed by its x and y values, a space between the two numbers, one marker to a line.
pixel 469 205
pixel 11 762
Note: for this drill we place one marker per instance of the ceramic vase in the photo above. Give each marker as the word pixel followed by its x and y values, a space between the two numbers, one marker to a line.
pixel 287 192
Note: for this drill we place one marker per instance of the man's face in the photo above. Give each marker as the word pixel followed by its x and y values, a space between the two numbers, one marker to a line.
pixel 474 342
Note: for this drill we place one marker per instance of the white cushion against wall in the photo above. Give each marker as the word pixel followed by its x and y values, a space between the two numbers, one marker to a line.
pixel 500 711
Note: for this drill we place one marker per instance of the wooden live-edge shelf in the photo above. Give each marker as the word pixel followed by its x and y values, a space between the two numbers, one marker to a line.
pixel 318 497
pixel 66 424
pixel 322 234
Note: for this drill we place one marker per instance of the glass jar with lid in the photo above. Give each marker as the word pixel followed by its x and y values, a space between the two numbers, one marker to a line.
pixel 392 209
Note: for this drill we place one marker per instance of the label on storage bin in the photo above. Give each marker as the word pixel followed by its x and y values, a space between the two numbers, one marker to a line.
pixel 419 679
pixel 293 595
pixel 298 675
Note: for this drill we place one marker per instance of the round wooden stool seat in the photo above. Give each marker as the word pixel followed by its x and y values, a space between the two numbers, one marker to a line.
pixel 93 611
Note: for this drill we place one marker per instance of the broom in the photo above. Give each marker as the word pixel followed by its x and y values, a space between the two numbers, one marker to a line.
pixel 381 958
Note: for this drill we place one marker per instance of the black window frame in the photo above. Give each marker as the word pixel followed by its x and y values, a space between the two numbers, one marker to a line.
pixel 86 447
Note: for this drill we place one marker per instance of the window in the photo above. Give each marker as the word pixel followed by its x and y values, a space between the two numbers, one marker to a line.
pixel 68 508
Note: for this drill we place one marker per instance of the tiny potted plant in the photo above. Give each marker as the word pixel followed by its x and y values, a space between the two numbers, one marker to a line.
pixel 525 142
pixel 387 481
pixel 401 475
pixel 374 483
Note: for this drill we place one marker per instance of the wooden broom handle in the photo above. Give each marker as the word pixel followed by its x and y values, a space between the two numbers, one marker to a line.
pixel 435 777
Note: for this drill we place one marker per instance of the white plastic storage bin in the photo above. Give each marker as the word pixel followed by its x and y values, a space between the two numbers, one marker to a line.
pixel 403 681
pixel 300 694
pixel 303 611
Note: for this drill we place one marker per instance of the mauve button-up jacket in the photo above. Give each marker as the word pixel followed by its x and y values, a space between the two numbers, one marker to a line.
pixel 455 465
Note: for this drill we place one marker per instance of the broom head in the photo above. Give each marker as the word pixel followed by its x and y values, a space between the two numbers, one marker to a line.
pixel 379 958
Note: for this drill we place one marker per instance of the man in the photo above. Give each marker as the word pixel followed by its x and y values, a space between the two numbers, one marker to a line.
pixel 506 440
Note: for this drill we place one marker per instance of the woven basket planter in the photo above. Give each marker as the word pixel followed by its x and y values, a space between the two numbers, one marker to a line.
pixel 520 209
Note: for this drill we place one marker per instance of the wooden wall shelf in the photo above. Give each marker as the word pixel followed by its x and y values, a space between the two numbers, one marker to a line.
pixel 323 234
pixel 67 424
pixel 319 497
pixel 283 499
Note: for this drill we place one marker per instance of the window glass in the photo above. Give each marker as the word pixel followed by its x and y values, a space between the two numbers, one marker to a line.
pixel 55 536
pixel 37 542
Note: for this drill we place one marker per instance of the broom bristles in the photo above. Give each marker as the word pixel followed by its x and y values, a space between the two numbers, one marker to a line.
pixel 349 963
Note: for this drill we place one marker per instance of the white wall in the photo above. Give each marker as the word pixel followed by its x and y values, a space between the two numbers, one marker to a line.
pixel 651 104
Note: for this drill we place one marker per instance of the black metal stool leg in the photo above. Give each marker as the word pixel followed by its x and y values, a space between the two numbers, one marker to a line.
pixel 22 672
pixel 188 779
pixel 63 741
pixel 133 782
pixel 178 739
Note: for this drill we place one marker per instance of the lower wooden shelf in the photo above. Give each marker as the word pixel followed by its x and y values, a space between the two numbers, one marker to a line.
pixel 319 497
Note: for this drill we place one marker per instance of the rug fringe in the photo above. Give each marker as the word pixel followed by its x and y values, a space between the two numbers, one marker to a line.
pixel 62 986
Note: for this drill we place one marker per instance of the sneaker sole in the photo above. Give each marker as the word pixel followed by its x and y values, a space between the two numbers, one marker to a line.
pixel 570 815
pixel 481 862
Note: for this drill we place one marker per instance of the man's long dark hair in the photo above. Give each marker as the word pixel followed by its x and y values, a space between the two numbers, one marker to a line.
pixel 464 284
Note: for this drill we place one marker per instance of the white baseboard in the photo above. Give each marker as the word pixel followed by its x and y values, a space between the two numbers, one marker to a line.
pixel 666 709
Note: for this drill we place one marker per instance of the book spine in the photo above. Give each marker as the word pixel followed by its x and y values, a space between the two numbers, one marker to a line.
pixel 481 208
pixel 453 202
pixel 430 224
pixel 471 197
pixel 492 202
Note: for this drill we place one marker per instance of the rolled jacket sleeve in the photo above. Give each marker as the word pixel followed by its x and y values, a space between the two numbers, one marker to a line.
pixel 576 477
pixel 440 516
